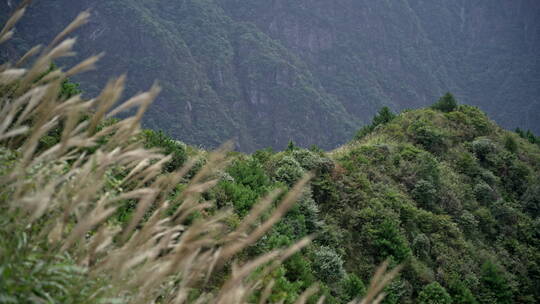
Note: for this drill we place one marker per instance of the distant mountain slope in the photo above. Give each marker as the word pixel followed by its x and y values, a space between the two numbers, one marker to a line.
pixel 265 72
pixel 406 53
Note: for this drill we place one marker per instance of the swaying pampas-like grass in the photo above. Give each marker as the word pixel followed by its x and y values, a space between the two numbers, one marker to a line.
pixel 58 240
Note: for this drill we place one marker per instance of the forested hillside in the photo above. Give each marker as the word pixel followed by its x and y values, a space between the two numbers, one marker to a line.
pixel 95 209
pixel 266 72
pixel 443 191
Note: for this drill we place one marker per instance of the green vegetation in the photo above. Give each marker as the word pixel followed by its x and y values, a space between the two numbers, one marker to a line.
pixel 30 271
pixel 440 191
pixel 177 150
pixel 446 104
pixel 434 294
pixel 495 287
pixel 98 210
pixel 384 116
pixel 528 136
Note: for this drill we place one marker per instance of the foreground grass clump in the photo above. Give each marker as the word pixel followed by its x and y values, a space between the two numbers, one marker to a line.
pixel 30 271
pixel 95 210
pixel 92 212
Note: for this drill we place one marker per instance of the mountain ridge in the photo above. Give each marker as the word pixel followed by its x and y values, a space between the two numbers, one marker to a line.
pixel 266 72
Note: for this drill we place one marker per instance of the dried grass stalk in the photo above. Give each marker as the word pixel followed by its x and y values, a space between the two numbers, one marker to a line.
pixel 68 184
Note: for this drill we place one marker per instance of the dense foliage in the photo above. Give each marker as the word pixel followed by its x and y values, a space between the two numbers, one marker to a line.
pixel 264 72
pixel 89 211
pixel 442 191
pixel 447 192
pixel 438 190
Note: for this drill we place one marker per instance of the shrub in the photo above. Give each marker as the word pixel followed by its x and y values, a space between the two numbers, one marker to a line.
pixel 310 211
pixel 288 170
pixel 484 193
pixel 389 242
pixel 413 168
pixel 250 174
pixel 166 145
pixel 307 159
pixel 396 291
pixel 460 292
pixel 489 178
pixel 467 164
pixel 506 215
pixel 418 272
pixel 434 293
pixel 425 194
pixel 510 143
pixel 486 221
pixel 513 173
pixel 240 196
pixel 421 246
pixel 483 147
pixel 428 136
pixel 531 199
pixel 476 119
pixel 328 265
pixel 69 89
pixel 352 288
pixel 494 287
pixel 468 222
pixel 312 161
pixel 299 270
pixel 284 290
pixel 263 156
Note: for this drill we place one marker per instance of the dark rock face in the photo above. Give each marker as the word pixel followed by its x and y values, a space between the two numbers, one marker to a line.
pixel 406 53
pixel 265 72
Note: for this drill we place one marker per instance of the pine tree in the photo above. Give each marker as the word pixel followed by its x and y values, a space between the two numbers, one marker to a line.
pixel 291 146
pixel 446 104
pixel 461 294
pixel 384 116
pixel 494 286
pixel 530 137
